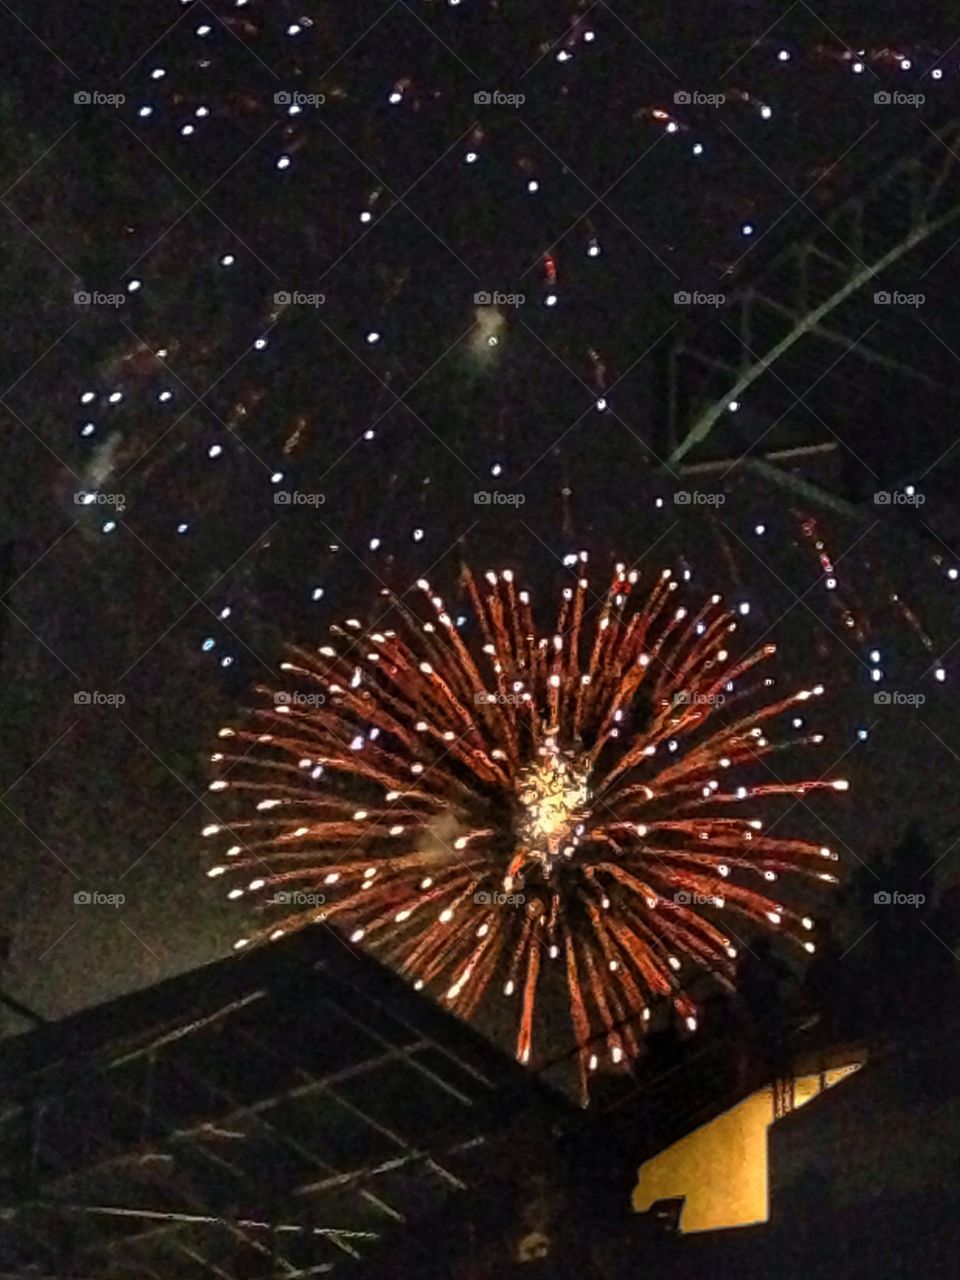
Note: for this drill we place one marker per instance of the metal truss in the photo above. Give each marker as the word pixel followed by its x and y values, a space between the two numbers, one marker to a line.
pixel 807 310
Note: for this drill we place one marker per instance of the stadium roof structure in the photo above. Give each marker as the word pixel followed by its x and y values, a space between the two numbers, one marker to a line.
pixel 842 334
pixel 282 1114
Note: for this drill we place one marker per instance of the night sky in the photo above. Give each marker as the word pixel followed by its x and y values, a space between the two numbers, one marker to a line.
pixel 267 155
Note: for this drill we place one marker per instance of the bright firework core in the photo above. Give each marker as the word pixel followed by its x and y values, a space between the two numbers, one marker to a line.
pixel 553 795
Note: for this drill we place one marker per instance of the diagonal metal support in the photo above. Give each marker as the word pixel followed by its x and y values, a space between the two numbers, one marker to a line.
pixel 785 291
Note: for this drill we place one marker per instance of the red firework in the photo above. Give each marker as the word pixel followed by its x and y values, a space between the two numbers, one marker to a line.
pixel 477 812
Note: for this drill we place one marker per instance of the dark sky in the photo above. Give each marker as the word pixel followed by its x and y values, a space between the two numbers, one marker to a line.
pixel 204 189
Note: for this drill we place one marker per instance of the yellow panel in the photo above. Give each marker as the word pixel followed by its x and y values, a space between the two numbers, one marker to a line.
pixel 720 1170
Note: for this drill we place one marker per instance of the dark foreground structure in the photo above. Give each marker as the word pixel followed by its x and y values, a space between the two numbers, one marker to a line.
pixel 301 1112
pixel 278 1115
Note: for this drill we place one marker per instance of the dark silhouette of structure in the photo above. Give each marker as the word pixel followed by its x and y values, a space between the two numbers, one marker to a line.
pixel 301 1111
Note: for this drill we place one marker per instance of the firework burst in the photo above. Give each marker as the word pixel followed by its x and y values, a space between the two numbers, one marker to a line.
pixel 482 812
